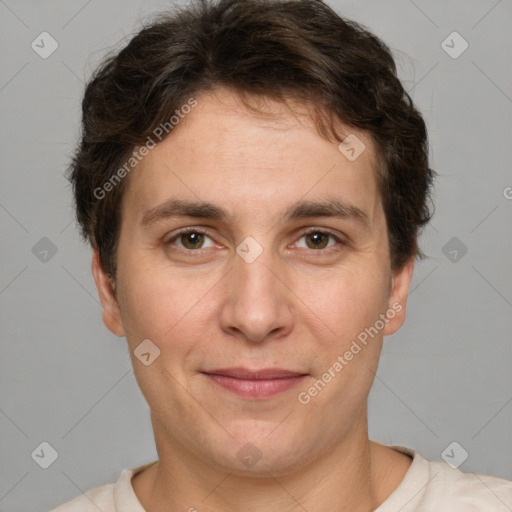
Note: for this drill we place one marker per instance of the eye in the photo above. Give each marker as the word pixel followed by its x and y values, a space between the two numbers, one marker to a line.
pixel 196 239
pixel 316 239
pixel 190 239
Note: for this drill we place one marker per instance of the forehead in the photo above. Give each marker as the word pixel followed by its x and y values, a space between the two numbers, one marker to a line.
pixel 221 151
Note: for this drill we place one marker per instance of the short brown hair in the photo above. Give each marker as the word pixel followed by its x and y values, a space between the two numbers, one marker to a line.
pixel 270 48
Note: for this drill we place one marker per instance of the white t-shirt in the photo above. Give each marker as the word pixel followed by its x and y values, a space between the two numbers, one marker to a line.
pixel 428 486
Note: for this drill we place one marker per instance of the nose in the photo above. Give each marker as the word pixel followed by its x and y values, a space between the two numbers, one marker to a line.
pixel 259 303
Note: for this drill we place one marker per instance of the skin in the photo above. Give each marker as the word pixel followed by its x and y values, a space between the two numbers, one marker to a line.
pixel 298 306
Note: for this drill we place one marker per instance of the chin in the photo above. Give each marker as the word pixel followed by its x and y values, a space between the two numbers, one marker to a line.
pixel 252 454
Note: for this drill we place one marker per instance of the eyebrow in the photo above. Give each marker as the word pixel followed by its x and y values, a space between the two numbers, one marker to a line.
pixel 331 207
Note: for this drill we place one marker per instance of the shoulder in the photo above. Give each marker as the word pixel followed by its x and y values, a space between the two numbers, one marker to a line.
pixel 101 498
pixel 473 491
pixel 113 497
pixel 435 485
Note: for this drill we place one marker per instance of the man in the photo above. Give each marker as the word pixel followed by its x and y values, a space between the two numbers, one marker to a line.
pixel 252 177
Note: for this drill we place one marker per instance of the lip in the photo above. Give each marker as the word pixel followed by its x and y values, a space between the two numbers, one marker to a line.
pixel 261 374
pixel 261 383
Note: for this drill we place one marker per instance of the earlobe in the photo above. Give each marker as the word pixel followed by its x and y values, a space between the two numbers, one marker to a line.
pixel 111 313
pixel 398 297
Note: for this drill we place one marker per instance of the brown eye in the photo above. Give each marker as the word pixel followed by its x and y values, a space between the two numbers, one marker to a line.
pixel 317 239
pixel 192 240
pixel 320 241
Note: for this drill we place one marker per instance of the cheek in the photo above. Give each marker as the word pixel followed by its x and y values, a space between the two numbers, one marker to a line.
pixel 346 356
pixel 345 304
pixel 158 306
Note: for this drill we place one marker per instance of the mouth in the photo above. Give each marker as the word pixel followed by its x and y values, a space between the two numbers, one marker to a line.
pixel 262 383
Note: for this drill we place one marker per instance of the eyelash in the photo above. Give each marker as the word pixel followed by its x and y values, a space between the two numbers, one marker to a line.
pixel 202 231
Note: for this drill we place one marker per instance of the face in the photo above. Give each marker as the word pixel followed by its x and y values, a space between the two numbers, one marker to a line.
pixel 254 255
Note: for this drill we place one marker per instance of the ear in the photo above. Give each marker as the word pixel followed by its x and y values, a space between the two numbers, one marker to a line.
pixel 104 284
pixel 398 297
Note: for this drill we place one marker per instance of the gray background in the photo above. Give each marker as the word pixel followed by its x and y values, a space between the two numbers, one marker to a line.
pixel 67 381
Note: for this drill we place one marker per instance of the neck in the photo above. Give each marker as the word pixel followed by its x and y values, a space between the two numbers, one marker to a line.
pixel 356 475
